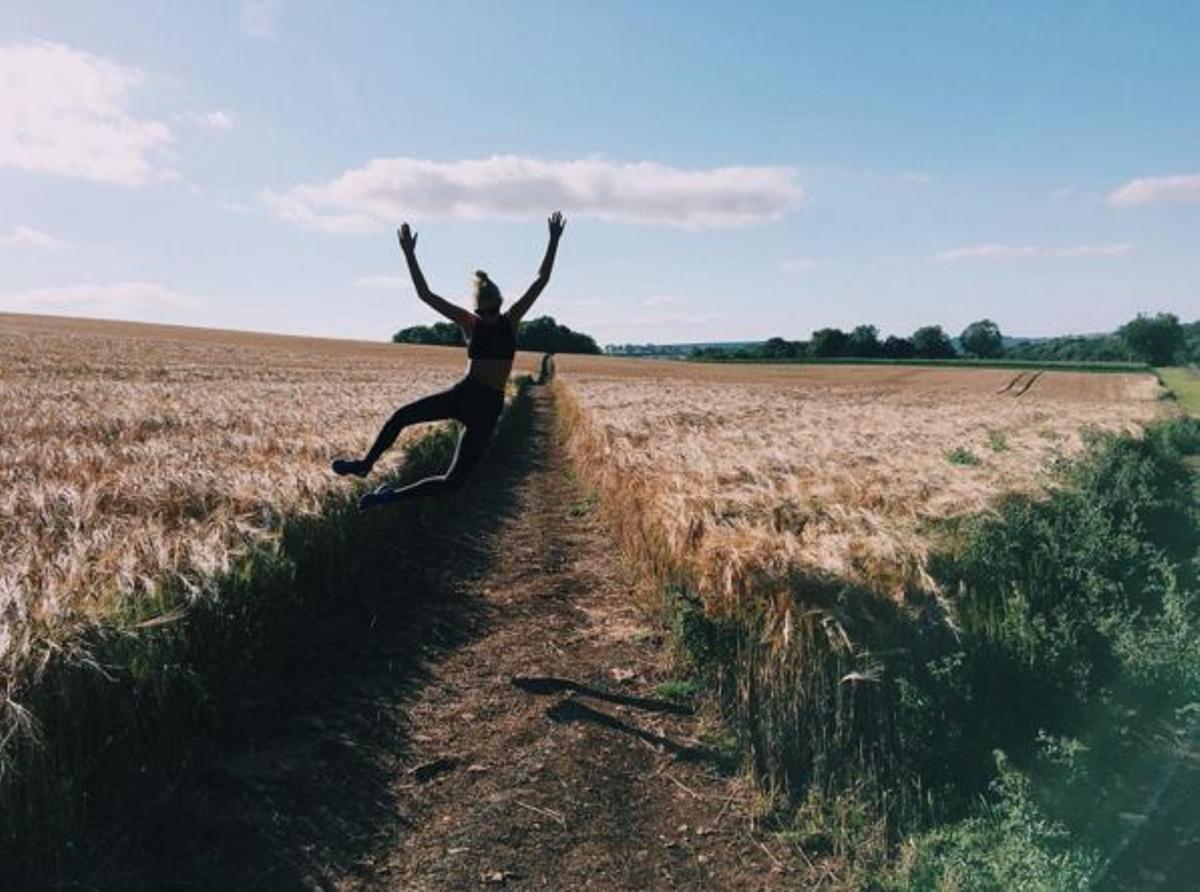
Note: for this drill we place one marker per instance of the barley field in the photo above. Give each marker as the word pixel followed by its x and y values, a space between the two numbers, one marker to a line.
pixel 748 473
pixel 134 455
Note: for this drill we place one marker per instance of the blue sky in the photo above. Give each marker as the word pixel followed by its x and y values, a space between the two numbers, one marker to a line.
pixel 729 171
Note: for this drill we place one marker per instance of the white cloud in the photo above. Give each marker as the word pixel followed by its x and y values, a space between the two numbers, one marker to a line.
pixel 799 264
pixel 62 111
pixel 260 18
pixel 27 236
pixel 660 300
pixel 387 190
pixel 117 298
pixel 213 120
pixel 380 282
pixel 1033 252
pixel 1178 189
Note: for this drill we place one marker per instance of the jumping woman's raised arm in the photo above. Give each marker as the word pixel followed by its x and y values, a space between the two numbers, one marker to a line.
pixel 453 312
pixel 557 224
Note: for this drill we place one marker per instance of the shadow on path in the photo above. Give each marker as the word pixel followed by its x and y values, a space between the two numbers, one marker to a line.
pixel 298 788
pixel 571 710
pixel 551 685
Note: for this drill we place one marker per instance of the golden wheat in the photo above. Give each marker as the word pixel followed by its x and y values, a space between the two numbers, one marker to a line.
pixel 746 475
pixel 131 455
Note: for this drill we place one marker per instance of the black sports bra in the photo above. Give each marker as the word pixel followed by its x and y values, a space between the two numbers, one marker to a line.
pixel 492 340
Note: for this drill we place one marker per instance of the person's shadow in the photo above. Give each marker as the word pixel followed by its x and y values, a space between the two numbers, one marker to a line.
pixel 572 709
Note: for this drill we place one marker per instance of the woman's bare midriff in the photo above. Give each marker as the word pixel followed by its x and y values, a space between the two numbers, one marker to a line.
pixel 490 372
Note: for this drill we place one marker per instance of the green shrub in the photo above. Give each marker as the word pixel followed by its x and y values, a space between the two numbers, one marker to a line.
pixel 1010 843
pixel 960 455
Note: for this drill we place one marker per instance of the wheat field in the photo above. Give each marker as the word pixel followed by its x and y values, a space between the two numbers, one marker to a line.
pixel 745 474
pixel 136 455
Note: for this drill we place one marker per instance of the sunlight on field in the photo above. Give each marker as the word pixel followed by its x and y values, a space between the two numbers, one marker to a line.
pixel 132 455
pixel 841 471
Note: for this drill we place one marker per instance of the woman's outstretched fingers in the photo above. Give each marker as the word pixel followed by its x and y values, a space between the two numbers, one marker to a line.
pixel 557 224
pixel 408 238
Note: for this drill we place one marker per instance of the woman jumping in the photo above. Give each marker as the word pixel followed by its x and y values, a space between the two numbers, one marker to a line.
pixel 478 398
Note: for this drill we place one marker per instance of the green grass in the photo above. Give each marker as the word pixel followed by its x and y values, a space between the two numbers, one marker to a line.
pixel 679 690
pixel 961 456
pixel 997 441
pixel 1184 383
pixel 584 505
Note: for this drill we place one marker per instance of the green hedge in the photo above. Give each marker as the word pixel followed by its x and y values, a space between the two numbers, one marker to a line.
pixel 1016 364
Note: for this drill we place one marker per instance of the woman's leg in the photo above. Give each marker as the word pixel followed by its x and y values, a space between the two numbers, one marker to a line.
pixel 471 447
pixel 435 407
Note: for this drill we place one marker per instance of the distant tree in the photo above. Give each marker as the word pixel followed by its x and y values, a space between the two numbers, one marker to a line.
pixel 863 342
pixel 443 334
pixel 897 348
pixel 982 339
pixel 780 348
pixel 544 335
pixel 1074 348
pixel 931 342
pixel 827 342
pixel 1157 340
pixel 1191 342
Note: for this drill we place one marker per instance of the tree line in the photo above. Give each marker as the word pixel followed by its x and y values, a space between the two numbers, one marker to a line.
pixel 1157 340
pixel 541 335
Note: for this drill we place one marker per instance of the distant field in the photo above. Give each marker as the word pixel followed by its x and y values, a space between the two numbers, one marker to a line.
pixel 1184 383
pixel 133 454
pixel 841 470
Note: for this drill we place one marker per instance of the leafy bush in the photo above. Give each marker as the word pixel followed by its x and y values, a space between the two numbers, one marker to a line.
pixel 1088 586
pixel 1009 844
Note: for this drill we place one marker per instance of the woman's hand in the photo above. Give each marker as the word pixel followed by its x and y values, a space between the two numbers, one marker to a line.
pixel 408 239
pixel 557 224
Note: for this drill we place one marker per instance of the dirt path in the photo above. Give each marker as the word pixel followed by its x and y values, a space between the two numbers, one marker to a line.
pixel 506 784
pixel 419 763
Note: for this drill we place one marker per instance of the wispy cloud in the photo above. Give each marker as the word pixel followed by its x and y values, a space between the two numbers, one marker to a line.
pixel 1062 192
pixel 63 112
pixel 1033 252
pixel 27 236
pixel 118 298
pixel 386 190
pixel 661 300
pixel 380 282
pixel 220 119
pixel 1178 189
pixel 799 264
pixel 260 18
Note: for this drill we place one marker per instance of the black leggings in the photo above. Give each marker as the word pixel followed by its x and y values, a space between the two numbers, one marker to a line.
pixel 476 405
